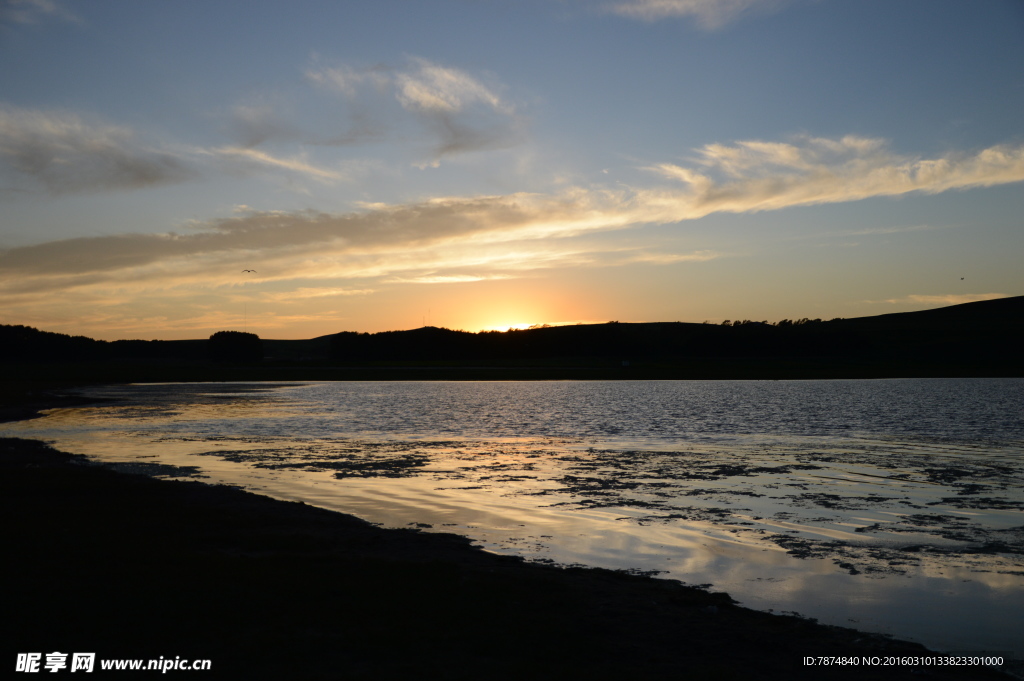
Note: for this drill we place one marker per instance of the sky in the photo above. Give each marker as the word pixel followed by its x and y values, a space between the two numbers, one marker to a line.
pixel 487 164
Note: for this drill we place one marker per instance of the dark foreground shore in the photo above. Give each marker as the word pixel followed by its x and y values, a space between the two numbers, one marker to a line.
pixel 131 567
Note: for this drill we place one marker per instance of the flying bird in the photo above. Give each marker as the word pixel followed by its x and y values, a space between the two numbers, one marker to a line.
pixel 244 271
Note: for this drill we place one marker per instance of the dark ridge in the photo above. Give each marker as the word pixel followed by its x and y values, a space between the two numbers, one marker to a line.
pixel 1001 311
pixel 987 329
pixel 973 339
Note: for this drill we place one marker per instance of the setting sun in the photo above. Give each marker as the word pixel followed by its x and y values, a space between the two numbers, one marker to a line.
pixel 667 288
pixel 349 176
pixel 509 326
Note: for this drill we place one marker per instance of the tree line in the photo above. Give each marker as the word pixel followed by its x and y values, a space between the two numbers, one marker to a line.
pixel 26 343
pixel 613 340
pixel 989 331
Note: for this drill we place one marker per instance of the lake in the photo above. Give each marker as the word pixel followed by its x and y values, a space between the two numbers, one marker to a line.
pixel 893 506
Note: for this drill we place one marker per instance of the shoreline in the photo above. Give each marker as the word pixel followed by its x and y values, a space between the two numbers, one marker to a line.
pixel 130 566
pixel 701 369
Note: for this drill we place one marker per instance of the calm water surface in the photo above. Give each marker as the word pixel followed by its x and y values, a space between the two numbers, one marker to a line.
pixel 893 506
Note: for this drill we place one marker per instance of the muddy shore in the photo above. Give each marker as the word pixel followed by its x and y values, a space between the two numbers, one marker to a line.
pixel 131 567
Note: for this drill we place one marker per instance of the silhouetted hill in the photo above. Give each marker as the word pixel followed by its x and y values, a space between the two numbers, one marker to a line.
pixel 18 343
pixel 988 328
pixel 25 343
pixel 998 314
pixel 981 338
pixel 585 340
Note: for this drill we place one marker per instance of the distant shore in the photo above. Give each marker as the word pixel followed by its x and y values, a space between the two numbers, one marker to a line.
pixel 969 340
pixel 67 374
pixel 132 567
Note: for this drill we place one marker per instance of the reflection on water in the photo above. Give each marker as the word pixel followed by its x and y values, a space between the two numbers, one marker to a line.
pixel 892 506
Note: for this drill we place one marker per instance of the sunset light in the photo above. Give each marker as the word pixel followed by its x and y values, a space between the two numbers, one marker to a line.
pixel 361 175
pixel 576 339
pixel 514 326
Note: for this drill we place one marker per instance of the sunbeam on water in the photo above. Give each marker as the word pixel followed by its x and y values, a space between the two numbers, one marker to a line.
pixel 893 506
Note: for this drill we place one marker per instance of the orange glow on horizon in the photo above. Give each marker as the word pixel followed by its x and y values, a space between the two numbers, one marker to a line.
pixel 500 306
pixel 509 326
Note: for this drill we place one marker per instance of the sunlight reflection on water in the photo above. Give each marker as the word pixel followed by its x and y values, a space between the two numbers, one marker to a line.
pixel 894 506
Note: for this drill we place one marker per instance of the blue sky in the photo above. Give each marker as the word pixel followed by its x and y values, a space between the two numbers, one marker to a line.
pixel 487 163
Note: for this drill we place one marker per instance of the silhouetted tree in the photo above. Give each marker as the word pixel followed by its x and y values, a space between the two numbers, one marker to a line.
pixel 234 346
pixel 18 343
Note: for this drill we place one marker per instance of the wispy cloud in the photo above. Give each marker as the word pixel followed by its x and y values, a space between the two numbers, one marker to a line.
pixel 348 79
pixel 769 177
pixel 461 112
pixel 307 292
pixel 319 238
pixel 876 231
pixel 254 158
pixel 255 123
pixel 709 14
pixel 942 299
pixel 453 239
pixel 33 11
pixel 447 278
pixel 62 153
pixel 753 176
pixel 672 258
pixel 434 88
